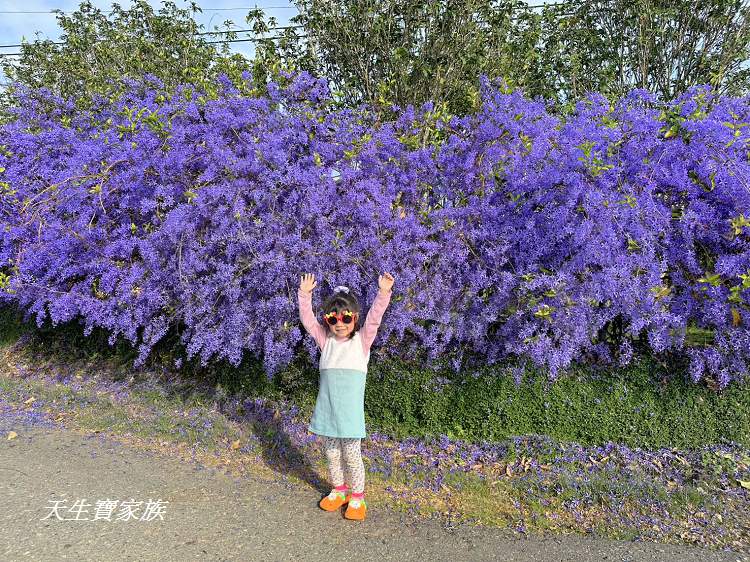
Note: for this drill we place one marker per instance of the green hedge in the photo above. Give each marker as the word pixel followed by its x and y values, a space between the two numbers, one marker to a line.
pixel 635 406
pixel 647 404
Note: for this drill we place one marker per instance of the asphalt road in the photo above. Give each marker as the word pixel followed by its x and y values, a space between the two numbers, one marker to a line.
pixel 211 516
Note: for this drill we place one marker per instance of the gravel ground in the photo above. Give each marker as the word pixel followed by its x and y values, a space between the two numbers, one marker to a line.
pixel 211 516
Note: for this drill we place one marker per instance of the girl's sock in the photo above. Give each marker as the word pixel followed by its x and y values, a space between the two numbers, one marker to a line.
pixel 342 488
pixel 356 498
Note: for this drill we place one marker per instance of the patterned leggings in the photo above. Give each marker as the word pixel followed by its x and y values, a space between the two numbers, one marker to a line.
pixel 335 448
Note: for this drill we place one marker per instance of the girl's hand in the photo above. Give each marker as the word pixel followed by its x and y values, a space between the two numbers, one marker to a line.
pixel 385 281
pixel 307 282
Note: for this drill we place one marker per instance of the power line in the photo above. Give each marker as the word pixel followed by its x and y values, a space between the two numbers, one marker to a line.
pixel 253 39
pixel 209 42
pixel 208 32
pixel 202 33
pixel 210 10
pixel 112 11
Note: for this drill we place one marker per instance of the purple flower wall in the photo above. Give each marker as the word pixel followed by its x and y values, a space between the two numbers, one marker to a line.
pixel 511 231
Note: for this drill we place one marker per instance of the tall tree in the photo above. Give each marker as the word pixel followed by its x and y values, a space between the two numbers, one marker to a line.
pixel 97 50
pixel 408 51
pixel 665 46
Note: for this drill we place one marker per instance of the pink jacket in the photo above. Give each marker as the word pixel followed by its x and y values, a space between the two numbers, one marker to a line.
pixel 367 332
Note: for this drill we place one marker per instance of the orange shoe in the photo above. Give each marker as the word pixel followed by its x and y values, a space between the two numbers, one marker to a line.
pixel 334 500
pixel 356 513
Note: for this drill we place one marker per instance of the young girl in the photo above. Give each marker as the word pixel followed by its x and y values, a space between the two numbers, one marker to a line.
pixel 339 415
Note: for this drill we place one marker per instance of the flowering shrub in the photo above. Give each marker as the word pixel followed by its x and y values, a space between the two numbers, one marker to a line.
pixel 510 231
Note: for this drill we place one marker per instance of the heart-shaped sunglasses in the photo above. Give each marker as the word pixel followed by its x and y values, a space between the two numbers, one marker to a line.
pixel 332 318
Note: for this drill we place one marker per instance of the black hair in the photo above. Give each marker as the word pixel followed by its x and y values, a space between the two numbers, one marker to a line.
pixel 341 301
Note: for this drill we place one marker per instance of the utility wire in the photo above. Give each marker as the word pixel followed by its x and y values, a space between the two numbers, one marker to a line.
pixel 228 41
pixel 112 11
pixel 221 32
pixel 202 33
pixel 254 39
pixel 210 10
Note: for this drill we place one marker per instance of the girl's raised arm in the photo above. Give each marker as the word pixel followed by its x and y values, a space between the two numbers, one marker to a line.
pixel 313 327
pixel 374 316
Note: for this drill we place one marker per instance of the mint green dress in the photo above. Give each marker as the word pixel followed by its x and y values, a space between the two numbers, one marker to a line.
pixel 340 405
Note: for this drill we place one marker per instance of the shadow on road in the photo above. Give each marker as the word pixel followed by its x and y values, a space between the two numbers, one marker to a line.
pixel 278 451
